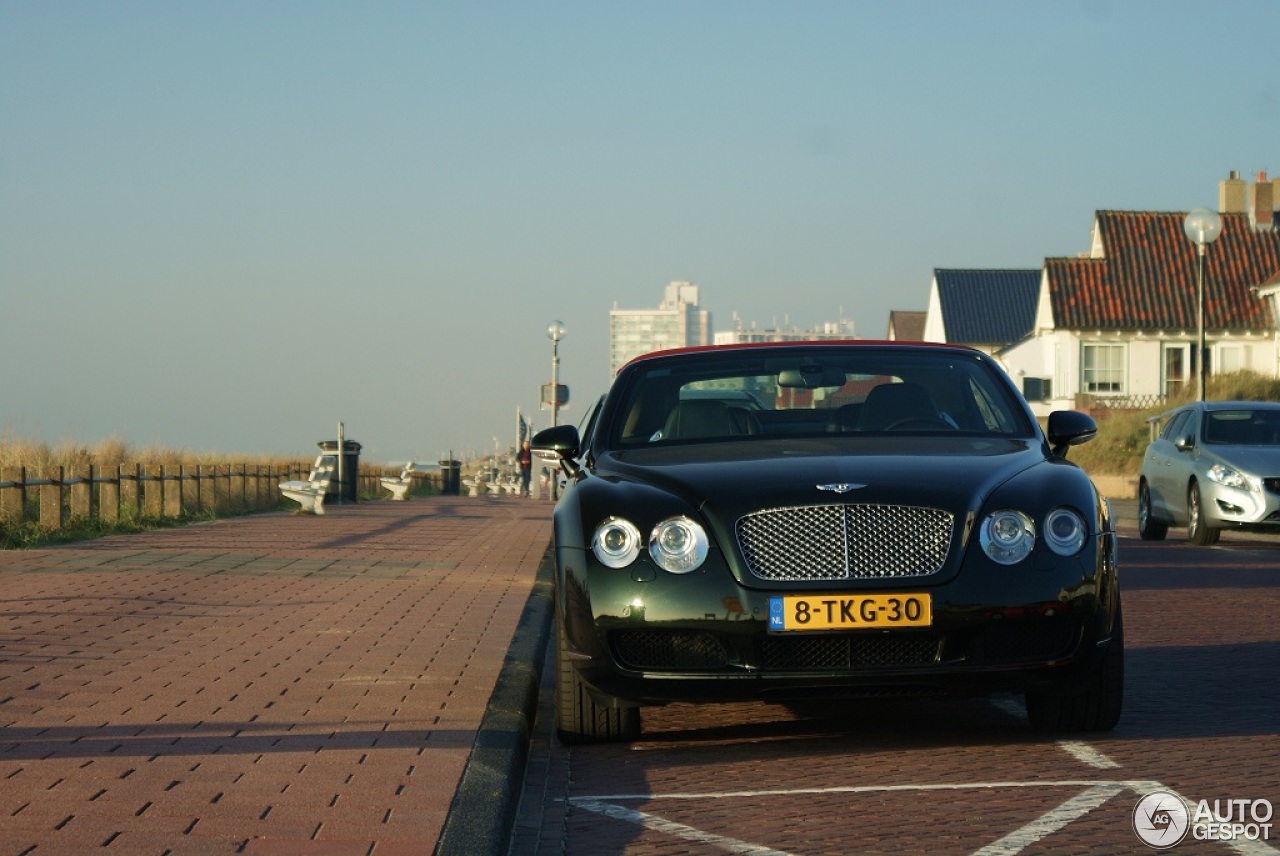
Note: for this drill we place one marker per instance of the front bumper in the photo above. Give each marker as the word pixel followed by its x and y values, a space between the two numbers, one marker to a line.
pixel 648 639
pixel 1227 507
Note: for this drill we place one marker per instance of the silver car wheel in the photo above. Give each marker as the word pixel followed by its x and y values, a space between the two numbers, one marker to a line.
pixel 1199 531
pixel 1149 528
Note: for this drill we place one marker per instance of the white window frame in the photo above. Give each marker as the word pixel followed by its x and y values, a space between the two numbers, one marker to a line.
pixel 1232 357
pixel 1104 380
pixel 1173 385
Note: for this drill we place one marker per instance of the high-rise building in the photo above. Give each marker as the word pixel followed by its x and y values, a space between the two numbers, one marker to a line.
pixel 678 322
pixel 827 331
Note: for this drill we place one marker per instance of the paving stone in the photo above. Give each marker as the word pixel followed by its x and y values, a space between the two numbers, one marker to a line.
pixel 270 684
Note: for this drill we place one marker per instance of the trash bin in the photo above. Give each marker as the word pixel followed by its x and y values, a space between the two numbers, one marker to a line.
pixel 450 477
pixel 347 490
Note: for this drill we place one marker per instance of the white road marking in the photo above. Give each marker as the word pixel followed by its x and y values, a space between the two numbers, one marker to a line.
pixel 679 830
pixel 1049 823
pixel 1095 793
pixel 1087 754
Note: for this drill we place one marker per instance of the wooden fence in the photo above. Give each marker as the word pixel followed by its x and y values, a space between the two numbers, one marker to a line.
pixel 53 500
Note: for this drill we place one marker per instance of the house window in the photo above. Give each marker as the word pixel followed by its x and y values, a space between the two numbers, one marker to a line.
pixel 1232 358
pixel 1177 360
pixel 1103 368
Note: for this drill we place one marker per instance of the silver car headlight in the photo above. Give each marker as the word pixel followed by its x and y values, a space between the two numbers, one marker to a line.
pixel 1228 477
pixel 1064 531
pixel 678 545
pixel 616 542
pixel 1007 536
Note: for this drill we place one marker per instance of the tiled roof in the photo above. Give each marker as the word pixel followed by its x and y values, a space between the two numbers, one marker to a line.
pixel 1147 280
pixel 906 324
pixel 987 306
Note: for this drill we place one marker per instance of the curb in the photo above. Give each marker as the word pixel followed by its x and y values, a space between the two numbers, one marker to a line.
pixel 483 812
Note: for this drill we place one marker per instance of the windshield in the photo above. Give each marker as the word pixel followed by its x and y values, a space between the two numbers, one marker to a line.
pixel 738 395
pixel 1242 427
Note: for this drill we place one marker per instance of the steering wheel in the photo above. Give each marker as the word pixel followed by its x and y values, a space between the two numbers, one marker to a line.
pixel 919 422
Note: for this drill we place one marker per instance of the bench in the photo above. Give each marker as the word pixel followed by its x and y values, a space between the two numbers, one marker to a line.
pixel 310 493
pixel 399 485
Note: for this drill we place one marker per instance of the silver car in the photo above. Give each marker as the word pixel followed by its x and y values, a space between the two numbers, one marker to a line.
pixel 1215 466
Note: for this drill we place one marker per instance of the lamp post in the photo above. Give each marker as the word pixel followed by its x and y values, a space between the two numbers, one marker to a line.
pixel 555 332
pixel 1202 227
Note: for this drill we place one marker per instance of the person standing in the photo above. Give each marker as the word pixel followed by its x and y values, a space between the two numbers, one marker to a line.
pixel 525 459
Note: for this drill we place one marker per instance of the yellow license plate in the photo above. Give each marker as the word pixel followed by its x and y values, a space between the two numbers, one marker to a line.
pixel 849 612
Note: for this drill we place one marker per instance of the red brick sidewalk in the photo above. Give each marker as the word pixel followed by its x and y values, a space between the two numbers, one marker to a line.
pixel 274 684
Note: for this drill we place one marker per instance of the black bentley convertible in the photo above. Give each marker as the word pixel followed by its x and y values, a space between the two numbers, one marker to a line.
pixel 804 521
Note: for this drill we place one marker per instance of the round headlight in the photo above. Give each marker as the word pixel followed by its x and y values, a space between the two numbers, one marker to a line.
pixel 1007 536
pixel 616 542
pixel 678 545
pixel 1064 531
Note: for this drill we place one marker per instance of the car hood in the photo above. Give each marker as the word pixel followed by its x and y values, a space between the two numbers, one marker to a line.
pixel 1261 461
pixel 727 480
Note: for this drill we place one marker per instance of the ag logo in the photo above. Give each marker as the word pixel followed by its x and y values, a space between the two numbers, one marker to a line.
pixel 1161 820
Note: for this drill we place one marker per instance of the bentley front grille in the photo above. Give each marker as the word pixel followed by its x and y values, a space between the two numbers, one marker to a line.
pixel 845 542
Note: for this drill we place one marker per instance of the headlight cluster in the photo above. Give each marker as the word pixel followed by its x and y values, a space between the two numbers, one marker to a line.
pixel 1008 536
pixel 677 544
pixel 1228 477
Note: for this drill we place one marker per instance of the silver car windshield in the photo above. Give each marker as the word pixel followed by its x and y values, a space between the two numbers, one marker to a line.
pixel 1242 427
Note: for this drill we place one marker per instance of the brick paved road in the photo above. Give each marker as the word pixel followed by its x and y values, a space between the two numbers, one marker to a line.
pixel 1202 718
pixel 274 684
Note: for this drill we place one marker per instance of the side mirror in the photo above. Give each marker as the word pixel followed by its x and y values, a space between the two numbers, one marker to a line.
pixel 557 444
pixel 1185 443
pixel 1069 428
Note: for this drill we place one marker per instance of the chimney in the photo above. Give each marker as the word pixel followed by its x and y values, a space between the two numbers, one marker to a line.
pixel 1260 204
pixel 1231 194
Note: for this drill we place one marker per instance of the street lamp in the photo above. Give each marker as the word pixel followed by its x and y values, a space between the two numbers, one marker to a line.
pixel 555 332
pixel 1203 228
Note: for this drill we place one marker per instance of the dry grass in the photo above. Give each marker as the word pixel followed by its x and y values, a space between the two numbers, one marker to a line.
pixel 40 458
pixel 1123 434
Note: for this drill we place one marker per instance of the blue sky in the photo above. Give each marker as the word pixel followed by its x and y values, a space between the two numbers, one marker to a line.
pixel 228 226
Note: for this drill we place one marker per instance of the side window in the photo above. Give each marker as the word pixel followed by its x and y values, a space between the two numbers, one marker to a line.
pixel 1175 426
pixel 1190 428
pixel 588 424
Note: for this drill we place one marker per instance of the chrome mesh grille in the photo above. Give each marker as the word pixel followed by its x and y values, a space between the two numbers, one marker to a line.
pixel 845 542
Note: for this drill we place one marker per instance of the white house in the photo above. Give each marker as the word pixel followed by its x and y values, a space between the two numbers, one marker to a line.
pixel 1119 327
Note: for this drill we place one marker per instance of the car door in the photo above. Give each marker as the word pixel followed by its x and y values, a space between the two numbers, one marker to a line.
pixel 1158 464
pixel 1184 450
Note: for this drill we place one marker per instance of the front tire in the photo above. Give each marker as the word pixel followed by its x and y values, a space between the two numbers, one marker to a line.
pixel 579 718
pixel 1094 707
pixel 1149 528
pixel 1199 531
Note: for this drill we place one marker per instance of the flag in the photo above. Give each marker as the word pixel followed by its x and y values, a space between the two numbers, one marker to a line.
pixel 524 430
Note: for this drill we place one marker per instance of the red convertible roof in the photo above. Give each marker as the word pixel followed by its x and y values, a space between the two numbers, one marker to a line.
pixel 819 343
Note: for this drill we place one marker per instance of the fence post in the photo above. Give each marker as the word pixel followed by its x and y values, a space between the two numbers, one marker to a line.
pixel 237 487
pixel 215 495
pixel 82 496
pixel 51 516
pixel 178 502
pixel 171 499
pixel 153 491
pixel 131 491
pixel 13 500
pixel 109 499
